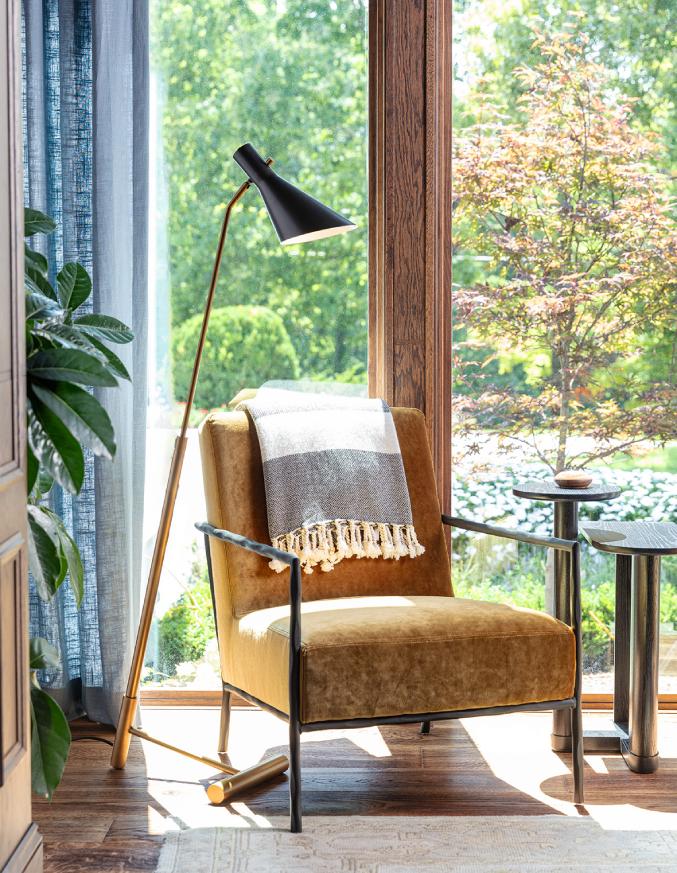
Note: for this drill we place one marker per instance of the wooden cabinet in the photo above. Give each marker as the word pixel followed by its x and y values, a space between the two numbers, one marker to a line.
pixel 20 843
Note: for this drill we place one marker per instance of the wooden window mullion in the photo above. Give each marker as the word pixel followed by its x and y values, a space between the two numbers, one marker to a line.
pixel 410 215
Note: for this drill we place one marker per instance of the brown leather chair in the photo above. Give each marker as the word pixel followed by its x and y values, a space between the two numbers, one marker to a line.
pixel 373 641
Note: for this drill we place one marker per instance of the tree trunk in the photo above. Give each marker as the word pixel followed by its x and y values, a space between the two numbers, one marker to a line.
pixel 564 398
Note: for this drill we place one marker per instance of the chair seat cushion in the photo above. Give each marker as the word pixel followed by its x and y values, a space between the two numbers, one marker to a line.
pixel 365 657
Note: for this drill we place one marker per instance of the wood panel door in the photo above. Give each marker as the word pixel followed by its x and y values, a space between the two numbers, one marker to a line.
pixel 20 843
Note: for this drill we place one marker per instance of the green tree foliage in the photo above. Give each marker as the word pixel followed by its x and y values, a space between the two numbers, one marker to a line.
pixel 634 43
pixel 573 217
pixel 290 78
pixel 245 346
pixel 187 626
pixel 635 40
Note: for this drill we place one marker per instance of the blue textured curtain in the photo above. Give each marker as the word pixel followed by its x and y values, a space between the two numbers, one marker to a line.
pixel 85 102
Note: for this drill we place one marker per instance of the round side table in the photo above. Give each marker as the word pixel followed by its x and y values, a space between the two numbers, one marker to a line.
pixel 638 546
pixel 565 501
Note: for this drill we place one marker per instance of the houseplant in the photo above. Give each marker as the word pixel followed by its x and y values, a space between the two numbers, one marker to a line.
pixel 67 355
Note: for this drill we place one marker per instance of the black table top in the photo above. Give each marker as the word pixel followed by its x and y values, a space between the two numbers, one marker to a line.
pixel 632 537
pixel 537 489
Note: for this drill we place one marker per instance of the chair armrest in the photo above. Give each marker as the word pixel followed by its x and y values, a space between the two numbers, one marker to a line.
pixel 574 575
pixel 262 549
pixel 510 534
pixel 295 598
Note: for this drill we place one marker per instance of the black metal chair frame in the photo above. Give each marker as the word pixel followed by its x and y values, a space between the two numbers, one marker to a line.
pixel 296 726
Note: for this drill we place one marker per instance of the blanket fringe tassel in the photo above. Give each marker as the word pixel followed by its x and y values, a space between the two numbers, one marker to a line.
pixel 330 542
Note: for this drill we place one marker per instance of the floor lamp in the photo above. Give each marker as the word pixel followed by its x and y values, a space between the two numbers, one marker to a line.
pixel 297 218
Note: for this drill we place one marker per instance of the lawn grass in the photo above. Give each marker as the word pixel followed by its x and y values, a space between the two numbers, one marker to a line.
pixel 662 460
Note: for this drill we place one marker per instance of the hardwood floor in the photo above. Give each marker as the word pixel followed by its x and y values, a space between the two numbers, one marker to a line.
pixel 113 821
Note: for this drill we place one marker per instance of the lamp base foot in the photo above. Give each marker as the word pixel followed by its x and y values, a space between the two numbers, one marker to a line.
pixel 224 789
pixel 123 737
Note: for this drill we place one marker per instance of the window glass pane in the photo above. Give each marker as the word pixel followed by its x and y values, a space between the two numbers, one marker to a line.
pixel 564 249
pixel 289 76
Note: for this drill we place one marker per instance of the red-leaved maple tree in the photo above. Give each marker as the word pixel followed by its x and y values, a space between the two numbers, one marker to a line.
pixel 573 220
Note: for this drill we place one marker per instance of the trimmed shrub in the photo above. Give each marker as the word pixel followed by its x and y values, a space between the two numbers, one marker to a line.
pixel 246 346
pixel 187 626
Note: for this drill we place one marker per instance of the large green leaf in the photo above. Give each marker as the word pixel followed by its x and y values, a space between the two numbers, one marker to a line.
pixel 32 470
pixel 54 446
pixel 40 282
pixel 72 338
pixel 76 572
pixel 42 654
pixel 53 554
pixel 69 337
pixel 69 365
pixel 105 327
pixel 45 482
pixel 114 362
pixel 50 742
pixel 46 560
pixel 37 222
pixel 82 414
pixel 35 261
pixel 37 304
pixel 74 285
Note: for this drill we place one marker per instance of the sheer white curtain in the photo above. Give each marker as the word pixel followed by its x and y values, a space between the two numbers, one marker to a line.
pixel 86 157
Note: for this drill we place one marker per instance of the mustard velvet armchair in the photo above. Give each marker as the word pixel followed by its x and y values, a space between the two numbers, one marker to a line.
pixel 373 641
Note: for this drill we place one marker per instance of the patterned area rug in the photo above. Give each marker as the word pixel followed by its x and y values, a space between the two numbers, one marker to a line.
pixel 404 844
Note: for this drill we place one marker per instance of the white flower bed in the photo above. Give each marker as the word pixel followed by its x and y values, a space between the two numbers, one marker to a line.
pixel 645 495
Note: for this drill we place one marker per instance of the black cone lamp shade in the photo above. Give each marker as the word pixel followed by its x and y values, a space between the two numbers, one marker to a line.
pixel 297 217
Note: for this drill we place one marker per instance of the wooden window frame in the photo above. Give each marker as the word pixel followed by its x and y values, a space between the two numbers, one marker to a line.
pixel 168 698
pixel 409 243
pixel 410 216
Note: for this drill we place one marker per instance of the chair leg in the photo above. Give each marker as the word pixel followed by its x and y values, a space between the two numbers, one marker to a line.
pixel 224 725
pixel 425 727
pixel 295 806
pixel 577 750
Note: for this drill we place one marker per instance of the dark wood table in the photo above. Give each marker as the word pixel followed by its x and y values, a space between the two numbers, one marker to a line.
pixel 565 501
pixel 638 546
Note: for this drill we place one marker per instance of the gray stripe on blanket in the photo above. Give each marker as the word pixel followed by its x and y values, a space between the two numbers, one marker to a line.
pixel 313 481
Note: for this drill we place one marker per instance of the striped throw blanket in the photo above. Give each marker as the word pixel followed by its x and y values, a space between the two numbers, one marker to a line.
pixel 334 479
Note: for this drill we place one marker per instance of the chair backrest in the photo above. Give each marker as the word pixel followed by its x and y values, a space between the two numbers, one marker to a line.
pixel 236 501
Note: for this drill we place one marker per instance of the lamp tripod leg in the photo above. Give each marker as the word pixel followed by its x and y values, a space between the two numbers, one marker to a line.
pixel 130 700
pixel 123 737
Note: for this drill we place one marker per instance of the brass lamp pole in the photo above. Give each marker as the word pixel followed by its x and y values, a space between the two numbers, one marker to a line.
pixel 296 217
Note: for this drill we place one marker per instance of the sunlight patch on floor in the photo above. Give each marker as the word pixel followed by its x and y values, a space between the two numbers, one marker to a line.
pixel 529 765
pixel 174 781
pixel 531 757
pixel 370 740
pixel 597 764
pixel 253 735
pixel 527 762
pixel 245 813
pixel 626 816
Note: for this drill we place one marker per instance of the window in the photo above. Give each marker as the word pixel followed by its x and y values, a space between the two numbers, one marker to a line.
pixel 564 245
pixel 289 76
